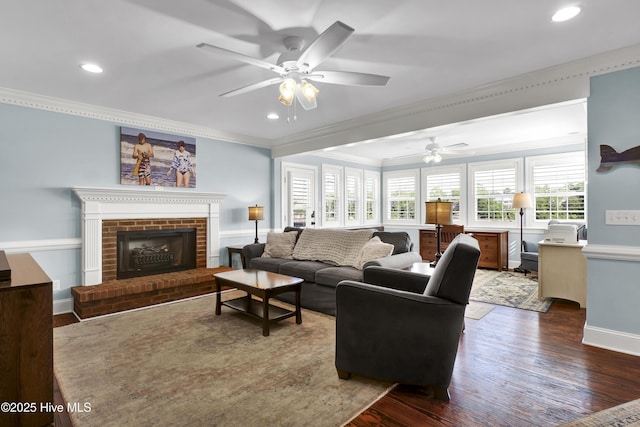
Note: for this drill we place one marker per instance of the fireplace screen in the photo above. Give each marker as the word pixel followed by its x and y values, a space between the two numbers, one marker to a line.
pixel 141 253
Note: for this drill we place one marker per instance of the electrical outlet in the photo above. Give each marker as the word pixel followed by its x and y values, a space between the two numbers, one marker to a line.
pixel 56 285
pixel 615 217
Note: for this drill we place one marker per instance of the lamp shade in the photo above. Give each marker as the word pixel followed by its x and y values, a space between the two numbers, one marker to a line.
pixel 439 212
pixel 522 200
pixel 256 213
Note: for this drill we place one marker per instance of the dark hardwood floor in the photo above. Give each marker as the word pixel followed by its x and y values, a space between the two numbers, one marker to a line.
pixel 514 368
pixel 518 368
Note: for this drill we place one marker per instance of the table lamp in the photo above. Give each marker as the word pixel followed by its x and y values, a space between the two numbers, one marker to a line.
pixel 438 213
pixel 256 213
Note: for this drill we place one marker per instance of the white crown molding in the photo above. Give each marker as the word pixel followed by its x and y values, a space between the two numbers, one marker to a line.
pixel 125 118
pixel 347 158
pixel 565 82
pixel 611 252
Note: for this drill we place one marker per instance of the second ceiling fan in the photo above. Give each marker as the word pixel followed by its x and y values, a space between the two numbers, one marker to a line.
pixel 297 66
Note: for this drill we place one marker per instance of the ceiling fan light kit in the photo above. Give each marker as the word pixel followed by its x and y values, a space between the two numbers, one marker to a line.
pixel 297 64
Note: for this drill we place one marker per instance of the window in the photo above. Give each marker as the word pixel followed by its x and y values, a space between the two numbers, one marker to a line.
pixel 332 196
pixel 299 200
pixel 446 183
pixel 493 185
pixel 353 196
pixel 401 196
pixel 558 186
pixel 371 197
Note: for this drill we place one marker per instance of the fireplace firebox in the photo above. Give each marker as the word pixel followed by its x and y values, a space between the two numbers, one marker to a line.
pixel 146 252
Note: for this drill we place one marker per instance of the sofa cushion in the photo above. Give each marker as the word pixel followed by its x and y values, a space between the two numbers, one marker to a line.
pixel 280 245
pixel 399 239
pixel 332 246
pixel 267 264
pixel 373 249
pixel 304 269
pixel 331 276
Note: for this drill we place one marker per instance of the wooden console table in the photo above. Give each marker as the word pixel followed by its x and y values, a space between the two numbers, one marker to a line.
pixel 494 247
pixel 562 271
pixel 26 343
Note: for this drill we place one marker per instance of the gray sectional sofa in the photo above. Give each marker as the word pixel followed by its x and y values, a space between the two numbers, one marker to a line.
pixel 325 257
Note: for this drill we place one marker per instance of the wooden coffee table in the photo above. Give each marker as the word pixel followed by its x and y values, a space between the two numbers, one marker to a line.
pixel 264 285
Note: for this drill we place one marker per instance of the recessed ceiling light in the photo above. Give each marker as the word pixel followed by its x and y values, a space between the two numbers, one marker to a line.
pixel 273 116
pixel 565 14
pixel 92 68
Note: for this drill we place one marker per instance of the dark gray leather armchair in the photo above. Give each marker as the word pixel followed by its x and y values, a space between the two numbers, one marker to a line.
pixel 405 327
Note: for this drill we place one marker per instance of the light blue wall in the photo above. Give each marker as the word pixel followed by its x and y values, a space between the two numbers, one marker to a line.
pixel 613 286
pixel 45 154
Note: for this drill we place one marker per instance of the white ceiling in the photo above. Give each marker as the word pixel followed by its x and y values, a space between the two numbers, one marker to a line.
pixel 430 48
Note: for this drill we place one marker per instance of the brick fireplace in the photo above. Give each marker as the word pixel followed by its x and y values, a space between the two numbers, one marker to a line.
pixel 112 230
pixel 106 211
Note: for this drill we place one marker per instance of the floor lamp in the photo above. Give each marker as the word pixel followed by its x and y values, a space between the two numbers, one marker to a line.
pixel 521 201
pixel 438 213
pixel 256 213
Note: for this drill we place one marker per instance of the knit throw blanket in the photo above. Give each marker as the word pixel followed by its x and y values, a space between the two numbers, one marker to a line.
pixel 335 247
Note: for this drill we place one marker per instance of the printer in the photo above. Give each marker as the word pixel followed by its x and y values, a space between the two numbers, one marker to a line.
pixel 561 233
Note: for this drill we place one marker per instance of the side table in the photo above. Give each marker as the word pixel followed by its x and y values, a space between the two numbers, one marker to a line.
pixel 235 249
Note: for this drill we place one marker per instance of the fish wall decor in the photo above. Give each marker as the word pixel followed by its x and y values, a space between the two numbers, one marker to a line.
pixel 610 158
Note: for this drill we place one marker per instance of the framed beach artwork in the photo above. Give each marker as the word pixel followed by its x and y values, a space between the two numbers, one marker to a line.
pixel 153 158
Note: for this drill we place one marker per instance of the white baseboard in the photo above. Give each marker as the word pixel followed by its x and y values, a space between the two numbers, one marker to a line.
pixel 62 306
pixel 611 340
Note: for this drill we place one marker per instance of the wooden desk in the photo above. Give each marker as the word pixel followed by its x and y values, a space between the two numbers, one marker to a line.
pixel 494 247
pixel 26 342
pixel 235 249
pixel 562 271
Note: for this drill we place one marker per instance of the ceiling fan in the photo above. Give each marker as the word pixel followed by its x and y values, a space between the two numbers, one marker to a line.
pixel 298 65
pixel 434 151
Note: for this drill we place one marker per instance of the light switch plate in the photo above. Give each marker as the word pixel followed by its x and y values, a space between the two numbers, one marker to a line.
pixel 627 217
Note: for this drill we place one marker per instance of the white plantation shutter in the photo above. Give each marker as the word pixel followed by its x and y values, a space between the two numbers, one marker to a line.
pixel 332 203
pixel 559 190
pixel 299 200
pixel 446 186
pixel 493 191
pixel 353 196
pixel 401 190
pixel 371 196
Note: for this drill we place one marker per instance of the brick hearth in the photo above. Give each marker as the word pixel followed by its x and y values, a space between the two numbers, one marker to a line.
pixel 127 294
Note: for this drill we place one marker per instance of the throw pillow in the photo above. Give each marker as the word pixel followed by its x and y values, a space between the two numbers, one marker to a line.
pixel 280 245
pixel 399 239
pixel 374 249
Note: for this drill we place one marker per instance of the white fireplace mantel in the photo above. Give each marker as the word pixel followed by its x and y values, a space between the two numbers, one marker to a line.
pixel 100 204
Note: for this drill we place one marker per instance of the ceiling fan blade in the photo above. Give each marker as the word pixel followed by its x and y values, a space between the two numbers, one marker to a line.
pixel 456 146
pixel 348 78
pixel 324 45
pixel 243 58
pixel 306 104
pixel 253 86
